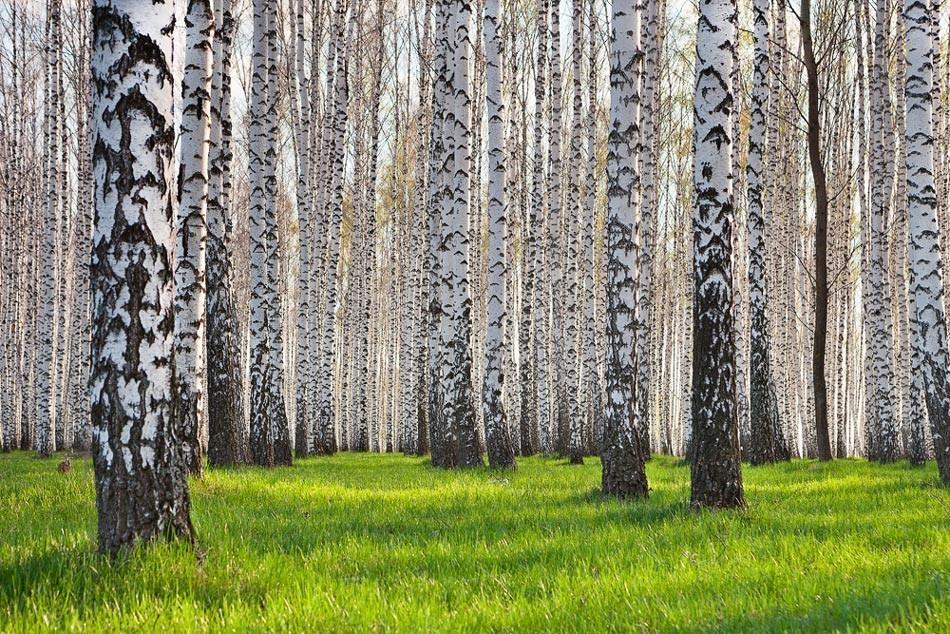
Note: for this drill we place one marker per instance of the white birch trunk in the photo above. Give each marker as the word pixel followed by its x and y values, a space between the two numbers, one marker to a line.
pixel 882 431
pixel 926 268
pixel 304 361
pixel 716 479
pixel 324 435
pixel 192 230
pixel 226 413
pixel 622 456
pixel 498 436
pixel 455 331
pixel 141 488
pixel 767 443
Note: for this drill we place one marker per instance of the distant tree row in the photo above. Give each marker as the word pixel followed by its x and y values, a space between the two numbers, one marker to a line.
pixel 445 227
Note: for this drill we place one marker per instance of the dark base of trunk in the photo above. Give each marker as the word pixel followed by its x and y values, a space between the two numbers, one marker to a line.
pixel 469 450
pixel 624 483
pixel 470 459
pixel 301 442
pixel 501 453
pixel 502 460
pixel 141 505
pixel 716 486
pixel 115 538
pixel 261 455
pixel 283 451
pixel 528 436
pixel 443 451
pixel 623 474
pixel 225 447
pixel 186 417
pixel 324 438
pixel 646 448
pixel 324 447
pixel 764 451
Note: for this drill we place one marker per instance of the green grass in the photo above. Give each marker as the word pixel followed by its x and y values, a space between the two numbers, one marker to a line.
pixel 370 542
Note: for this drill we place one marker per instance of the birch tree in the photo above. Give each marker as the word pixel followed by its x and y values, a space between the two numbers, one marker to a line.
pixel 501 453
pixel 302 138
pixel 455 330
pixel 926 267
pixel 649 61
pixel 575 441
pixel 46 414
pixel 593 387
pixel 622 456
pixel 440 432
pixel 716 479
pixel 141 486
pixel 324 438
pixel 535 292
pixel 226 415
pixel 192 229
pixel 554 255
pixel 882 426
pixel 767 439
pixel 269 439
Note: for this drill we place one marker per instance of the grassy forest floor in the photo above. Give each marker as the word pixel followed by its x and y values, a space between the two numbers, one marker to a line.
pixel 362 542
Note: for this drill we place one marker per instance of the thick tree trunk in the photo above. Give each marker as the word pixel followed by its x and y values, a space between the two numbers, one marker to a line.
pixel 622 455
pixel 455 331
pixel 716 475
pixel 141 486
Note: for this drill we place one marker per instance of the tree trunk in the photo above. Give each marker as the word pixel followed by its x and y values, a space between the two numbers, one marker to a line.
pixel 226 415
pixel 304 361
pixel 192 230
pixel 716 475
pixel 767 443
pixel 141 486
pixel 270 442
pixel 324 436
pixel 881 429
pixel 46 414
pixel 455 339
pixel 501 454
pixel 571 370
pixel 622 456
pixel 440 439
pixel 926 268
pixel 821 238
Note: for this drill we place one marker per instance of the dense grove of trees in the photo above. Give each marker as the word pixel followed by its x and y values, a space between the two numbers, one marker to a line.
pixel 239 231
